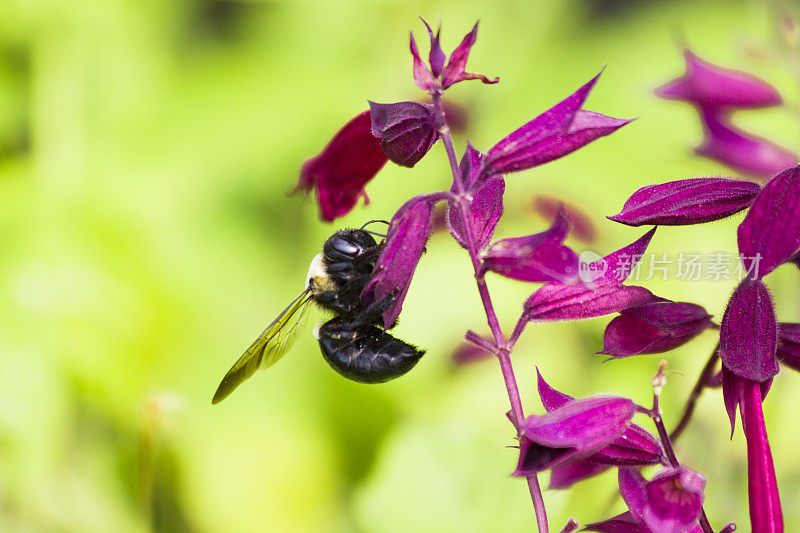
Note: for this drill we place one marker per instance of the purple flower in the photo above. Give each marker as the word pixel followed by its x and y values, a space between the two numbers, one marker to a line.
pixel 536 258
pixel 690 201
pixel 655 327
pixel 710 86
pixel 674 499
pixel 715 92
pixel 407 130
pixel 340 172
pixel 484 202
pixel 765 506
pixel 739 150
pixel 634 447
pixel 571 432
pixel 437 76
pixel 555 133
pixel 749 333
pixel 404 246
pixel 670 503
pixel 769 235
pixel 601 293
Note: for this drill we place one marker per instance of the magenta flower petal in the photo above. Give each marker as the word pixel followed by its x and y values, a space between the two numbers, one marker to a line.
pixel 485 210
pixel 455 71
pixel 769 235
pixel 632 488
pixel 690 201
pixel 623 523
pixel 407 130
pixel 739 150
pixel 555 120
pixel 635 446
pixel 558 131
pixel 557 301
pixel 436 56
pixel 749 333
pixel 485 201
pixel 551 398
pixel 340 172
pixel 405 243
pixel 711 86
pixel 674 499
pixel 423 77
pixel 654 327
pixel 617 266
pixel 563 477
pixel 571 432
pixel 765 505
pixel 536 258
pixel 733 392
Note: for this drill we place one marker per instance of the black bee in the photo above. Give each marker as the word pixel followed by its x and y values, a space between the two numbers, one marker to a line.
pixel 353 342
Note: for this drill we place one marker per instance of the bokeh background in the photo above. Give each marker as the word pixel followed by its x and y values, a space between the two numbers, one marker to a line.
pixel 146 149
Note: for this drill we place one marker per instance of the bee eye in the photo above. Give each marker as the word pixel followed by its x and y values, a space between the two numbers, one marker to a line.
pixel 344 247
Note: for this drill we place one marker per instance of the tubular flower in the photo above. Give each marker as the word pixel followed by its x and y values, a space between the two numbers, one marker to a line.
pixel 339 173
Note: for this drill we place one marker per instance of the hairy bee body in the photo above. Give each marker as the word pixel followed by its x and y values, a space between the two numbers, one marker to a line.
pixel 353 343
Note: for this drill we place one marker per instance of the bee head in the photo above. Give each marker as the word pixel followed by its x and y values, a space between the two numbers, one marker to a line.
pixel 347 244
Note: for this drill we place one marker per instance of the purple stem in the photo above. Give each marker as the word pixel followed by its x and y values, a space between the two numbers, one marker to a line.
pixel 503 351
pixel 697 390
pixel 655 414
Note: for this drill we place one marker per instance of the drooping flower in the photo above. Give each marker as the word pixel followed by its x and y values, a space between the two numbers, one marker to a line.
pixel 436 76
pixel 634 447
pixel 571 432
pixel 555 133
pixel 670 503
pixel 407 130
pixel 655 327
pixel 716 92
pixel 684 202
pixel 340 172
pixel 535 258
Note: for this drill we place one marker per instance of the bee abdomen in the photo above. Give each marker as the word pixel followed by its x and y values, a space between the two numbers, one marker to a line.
pixel 366 354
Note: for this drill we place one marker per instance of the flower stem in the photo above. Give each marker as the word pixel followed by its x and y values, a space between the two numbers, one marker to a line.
pixel 691 402
pixel 503 351
pixel 655 413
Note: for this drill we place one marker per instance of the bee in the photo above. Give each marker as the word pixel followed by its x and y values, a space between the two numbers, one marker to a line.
pixel 353 342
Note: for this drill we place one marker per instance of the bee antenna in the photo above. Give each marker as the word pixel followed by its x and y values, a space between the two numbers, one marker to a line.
pixel 375 233
pixel 372 222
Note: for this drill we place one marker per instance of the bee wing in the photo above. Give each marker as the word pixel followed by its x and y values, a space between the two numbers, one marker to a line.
pixel 270 346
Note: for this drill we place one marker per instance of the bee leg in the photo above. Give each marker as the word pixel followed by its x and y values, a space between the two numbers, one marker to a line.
pixel 373 313
pixel 332 300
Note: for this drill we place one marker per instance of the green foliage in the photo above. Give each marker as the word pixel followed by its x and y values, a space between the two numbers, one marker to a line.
pixel 145 152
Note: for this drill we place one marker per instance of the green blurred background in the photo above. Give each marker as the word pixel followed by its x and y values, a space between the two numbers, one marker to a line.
pixel 146 149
